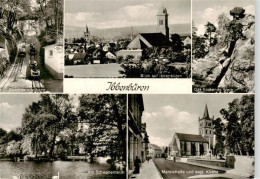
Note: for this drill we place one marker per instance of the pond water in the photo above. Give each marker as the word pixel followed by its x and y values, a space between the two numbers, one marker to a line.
pixel 94 71
pixel 45 170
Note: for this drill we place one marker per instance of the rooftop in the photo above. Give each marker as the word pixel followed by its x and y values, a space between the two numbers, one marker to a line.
pixel 156 39
pixel 156 147
pixel 191 137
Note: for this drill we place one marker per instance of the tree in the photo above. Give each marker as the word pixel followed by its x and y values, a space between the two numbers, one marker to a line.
pixel 232 128
pixel 105 116
pixel 199 45
pixel 132 70
pixel 246 114
pixel 210 28
pixel 194 29
pixel 2 132
pixel 45 119
pixel 12 136
pixel 13 148
pixel 177 43
pixel 51 13
pixel 218 131
pixel 239 128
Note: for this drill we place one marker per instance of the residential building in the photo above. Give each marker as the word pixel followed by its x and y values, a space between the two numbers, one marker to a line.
pixel 155 151
pixel 109 46
pixel 137 140
pixel 110 55
pixel 186 40
pixel 3 48
pixel 54 59
pixel 137 54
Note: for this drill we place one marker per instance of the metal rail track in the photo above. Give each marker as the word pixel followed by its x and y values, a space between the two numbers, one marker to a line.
pixel 17 67
pixel 37 86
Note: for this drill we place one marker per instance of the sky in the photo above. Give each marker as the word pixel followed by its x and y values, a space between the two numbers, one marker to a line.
pixel 122 13
pixel 166 114
pixel 204 11
pixel 12 107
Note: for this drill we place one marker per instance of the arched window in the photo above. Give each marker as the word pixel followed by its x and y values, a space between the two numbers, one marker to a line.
pixel 160 22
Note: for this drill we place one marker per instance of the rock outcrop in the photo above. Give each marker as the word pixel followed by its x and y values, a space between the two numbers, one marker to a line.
pixel 235 71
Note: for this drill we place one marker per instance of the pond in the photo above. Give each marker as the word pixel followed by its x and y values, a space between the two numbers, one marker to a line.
pixel 94 71
pixel 66 169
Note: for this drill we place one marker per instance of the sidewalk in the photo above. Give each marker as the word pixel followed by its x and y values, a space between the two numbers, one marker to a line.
pixel 210 166
pixel 227 172
pixel 148 170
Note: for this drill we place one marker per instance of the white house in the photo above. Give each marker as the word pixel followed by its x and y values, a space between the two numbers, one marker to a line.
pixel 54 59
pixel 108 46
pixel 155 151
pixel 3 48
pixel 187 41
pixel 137 54
pixel 110 55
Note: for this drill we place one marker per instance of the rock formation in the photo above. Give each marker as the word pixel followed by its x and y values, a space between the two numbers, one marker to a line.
pixel 234 71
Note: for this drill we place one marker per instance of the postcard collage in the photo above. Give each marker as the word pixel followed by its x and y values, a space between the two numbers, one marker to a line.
pixel 127 89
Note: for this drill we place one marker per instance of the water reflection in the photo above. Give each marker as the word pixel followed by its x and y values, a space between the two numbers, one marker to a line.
pixel 44 170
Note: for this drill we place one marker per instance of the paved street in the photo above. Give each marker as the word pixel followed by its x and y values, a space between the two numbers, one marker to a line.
pixel 171 170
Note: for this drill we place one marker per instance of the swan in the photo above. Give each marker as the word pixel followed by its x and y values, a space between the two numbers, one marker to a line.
pixel 16 177
pixel 56 177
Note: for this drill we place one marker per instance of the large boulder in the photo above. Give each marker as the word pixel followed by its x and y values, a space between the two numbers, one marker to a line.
pixel 218 70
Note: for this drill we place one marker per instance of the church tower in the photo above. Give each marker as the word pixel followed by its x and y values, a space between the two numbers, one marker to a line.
pixel 162 21
pixel 206 126
pixel 87 35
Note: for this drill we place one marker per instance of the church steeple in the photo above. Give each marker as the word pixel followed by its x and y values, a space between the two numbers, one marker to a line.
pixel 206 128
pixel 206 112
pixel 87 29
pixel 87 34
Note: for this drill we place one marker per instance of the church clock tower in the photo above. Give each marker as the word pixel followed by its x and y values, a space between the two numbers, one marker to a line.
pixel 206 126
pixel 162 21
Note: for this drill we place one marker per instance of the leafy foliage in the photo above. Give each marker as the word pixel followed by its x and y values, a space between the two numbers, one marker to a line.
pixel 199 44
pixel 105 116
pixel 43 120
pixel 218 131
pixel 239 129
pixel 210 29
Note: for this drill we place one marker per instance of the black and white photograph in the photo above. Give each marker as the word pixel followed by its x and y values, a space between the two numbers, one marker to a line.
pixel 223 46
pixel 127 39
pixel 191 136
pixel 31 46
pixel 62 136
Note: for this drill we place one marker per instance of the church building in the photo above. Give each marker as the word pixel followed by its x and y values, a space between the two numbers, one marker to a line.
pixel 206 126
pixel 162 22
pixel 157 39
pixel 193 145
pixel 87 37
